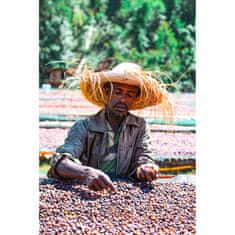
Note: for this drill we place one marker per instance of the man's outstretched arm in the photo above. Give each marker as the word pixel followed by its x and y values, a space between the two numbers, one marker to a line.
pixel 66 164
pixel 95 179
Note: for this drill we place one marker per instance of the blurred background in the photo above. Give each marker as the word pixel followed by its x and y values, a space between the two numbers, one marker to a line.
pixel 157 34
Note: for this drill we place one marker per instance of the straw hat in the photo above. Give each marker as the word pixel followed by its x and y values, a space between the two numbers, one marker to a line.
pixel 151 91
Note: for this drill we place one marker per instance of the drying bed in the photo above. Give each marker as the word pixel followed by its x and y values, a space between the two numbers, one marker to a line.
pixel 135 208
pixel 162 143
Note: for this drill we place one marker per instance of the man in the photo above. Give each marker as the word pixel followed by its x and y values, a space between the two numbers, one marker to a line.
pixel 112 142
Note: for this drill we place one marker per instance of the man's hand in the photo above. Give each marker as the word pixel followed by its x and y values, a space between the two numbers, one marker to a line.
pixel 93 178
pixel 97 180
pixel 147 172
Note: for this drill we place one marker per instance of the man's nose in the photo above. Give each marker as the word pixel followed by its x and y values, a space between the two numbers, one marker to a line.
pixel 123 98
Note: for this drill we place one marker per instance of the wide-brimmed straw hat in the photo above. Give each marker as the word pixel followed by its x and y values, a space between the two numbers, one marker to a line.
pixel 151 91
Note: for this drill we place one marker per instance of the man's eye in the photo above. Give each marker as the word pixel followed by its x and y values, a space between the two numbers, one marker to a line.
pixel 117 92
pixel 130 95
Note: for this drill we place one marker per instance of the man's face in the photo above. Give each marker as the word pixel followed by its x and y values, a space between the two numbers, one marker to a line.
pixel 121 98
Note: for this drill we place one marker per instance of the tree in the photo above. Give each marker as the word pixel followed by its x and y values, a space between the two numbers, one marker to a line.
pixel 159 35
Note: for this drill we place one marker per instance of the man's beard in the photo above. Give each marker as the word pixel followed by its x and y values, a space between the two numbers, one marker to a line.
pixel 120 109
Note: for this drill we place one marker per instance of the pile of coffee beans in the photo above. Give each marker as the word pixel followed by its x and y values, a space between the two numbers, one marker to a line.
pixel 135 208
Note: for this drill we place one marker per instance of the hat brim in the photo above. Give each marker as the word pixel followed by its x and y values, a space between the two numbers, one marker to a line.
pixel 151 93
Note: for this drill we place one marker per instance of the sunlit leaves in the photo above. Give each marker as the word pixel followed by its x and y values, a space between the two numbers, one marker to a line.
pixel 156 34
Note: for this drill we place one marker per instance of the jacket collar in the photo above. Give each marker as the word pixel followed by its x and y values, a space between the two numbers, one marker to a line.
pixel 97 122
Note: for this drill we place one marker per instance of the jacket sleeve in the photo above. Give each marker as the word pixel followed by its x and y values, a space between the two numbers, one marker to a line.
pixel 72 148
pixel 75 140
pixel 143 152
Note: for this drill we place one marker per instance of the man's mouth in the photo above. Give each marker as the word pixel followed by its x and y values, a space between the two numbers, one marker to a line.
pixel 121 108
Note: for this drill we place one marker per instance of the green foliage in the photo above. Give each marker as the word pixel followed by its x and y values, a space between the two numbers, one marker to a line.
pixel 159 35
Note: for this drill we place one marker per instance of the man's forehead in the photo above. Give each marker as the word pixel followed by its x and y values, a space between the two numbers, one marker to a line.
pixel 125 86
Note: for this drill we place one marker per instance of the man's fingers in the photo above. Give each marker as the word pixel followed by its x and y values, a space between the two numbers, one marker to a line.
pixel 96 185
pixel 156 172
pixel 155 169
pixel 111 186
pixel 102 183
pixel 143 175
pixel 92 187
pixel 148 173
pixel 152 171
pixel 107 182
pixel 153 174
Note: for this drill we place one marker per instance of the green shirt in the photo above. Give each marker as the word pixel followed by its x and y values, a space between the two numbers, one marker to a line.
pixel 108 164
